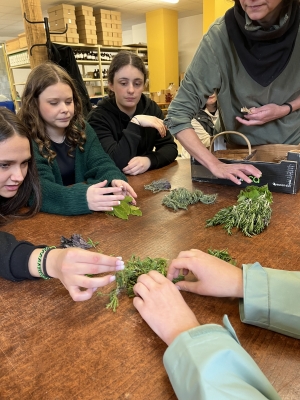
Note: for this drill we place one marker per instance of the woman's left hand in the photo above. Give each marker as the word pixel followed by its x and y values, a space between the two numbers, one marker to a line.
pixel 127 190
pixel 148 121
pixel 137 165
pixel 264 114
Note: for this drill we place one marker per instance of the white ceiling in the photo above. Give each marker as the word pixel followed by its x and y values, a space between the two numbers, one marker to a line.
pixel 132 11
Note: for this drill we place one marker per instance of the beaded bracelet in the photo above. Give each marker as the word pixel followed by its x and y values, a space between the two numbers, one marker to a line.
pixel 289 105
pixel 39 262
pixel 136 120
pixel 44 267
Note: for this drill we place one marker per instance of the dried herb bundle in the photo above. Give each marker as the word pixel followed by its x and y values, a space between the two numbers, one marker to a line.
pixel 157 186
pixel 77 240
pixel 223 255
pixel 125 209
pixel 127 278
pixel 181 198
pixel 251 214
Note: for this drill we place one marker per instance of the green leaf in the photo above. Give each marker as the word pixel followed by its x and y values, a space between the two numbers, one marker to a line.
pixel 136 212
pixel 120 213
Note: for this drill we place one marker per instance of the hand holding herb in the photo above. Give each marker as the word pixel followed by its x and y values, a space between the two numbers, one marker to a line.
pixel 127 278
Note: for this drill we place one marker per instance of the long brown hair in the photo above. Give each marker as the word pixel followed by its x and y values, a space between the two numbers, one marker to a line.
pixel 10 125
pixel 122 59
pixel 41 77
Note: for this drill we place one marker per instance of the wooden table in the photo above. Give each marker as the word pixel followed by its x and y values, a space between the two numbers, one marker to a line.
pixel 54 348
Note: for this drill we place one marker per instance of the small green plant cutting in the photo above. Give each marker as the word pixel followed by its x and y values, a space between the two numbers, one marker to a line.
pixel 127 278
pixel 124 209
pixel 222 255
pixel 251 214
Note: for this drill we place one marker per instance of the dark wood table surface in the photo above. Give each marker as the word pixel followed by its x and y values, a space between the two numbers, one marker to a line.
pixel 54 348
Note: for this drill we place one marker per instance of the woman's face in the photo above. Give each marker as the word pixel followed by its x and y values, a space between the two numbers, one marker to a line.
pixel 56 108
pixel 264 12
pixel 128 86
pixel 14 157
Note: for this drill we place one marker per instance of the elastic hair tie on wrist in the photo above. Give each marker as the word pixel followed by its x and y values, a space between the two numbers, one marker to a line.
pixel 289 105
pixel 136 120
pixel 41 266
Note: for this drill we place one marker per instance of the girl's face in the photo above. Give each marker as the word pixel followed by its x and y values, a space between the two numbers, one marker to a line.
pixel 14 157
pixel 128 86
pixel 265 12
pixel 56 108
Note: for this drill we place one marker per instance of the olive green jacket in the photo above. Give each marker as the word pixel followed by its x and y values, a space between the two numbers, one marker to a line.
pixel 216 67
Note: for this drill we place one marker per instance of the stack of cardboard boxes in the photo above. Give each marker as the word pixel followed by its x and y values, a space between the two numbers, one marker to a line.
pixel 59 17
pixel 86 24
pixel 108 27
pixel 18 43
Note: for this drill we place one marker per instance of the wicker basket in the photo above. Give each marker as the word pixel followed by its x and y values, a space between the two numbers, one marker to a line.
pixel 233 154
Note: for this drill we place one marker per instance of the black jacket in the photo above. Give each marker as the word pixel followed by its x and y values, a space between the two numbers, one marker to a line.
pixel 123 140
pixel 14 257
pixel 63 55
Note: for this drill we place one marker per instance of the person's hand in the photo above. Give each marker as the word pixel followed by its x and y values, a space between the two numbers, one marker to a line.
pixel 234 172
pixel 163 308
pixel 264 114
pixel 137 165
pixel 72 264
pixel 215 277
pixel 127 190
pixel 150 122
pixel 101 198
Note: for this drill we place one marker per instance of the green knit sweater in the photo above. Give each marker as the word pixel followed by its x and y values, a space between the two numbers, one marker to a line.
pixel 216 67
pixel 92 166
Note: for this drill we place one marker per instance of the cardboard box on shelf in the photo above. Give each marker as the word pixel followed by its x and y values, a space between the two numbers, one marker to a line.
pixel 100 20
pixel 22 40
pixel 105 42
pixel 101 13
pixel 12 44
pixel 88 39
pixel 103 27
pixel 88 20
pixel 279 164
pixel 116 26
pixel 59 38
pixel 84 10
pixel 105 35
pixel 61 11
pixel 115 15
pixel 87 31
pixel 60 24
pixel 85 24
pixel 62 7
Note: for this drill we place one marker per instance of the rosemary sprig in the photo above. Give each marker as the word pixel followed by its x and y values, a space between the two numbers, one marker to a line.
pixel 127 278
pixel 182 198
pixel 251 214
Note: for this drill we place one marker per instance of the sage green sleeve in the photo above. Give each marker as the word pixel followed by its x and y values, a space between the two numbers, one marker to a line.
pixel 271 299
pixel 208 363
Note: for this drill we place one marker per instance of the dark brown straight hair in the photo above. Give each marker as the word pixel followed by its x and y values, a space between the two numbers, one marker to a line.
pixel 10 208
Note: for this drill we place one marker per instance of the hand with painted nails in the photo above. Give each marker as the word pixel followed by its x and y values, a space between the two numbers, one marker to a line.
pixel 72 265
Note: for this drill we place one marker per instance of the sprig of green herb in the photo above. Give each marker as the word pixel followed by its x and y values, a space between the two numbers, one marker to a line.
pixel 222 255
pixel 181 198
pixel 251 214
pixel 124 209
pixel 127 278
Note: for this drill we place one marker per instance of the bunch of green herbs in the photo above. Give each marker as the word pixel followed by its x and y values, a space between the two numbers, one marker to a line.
pixel 127 278
pixel 251 214
pixel 181 198
pixel 222 255
pixel 124 209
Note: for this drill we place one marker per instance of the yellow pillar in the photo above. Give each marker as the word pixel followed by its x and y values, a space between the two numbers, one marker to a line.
pixel 162 43
pixel 213 9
